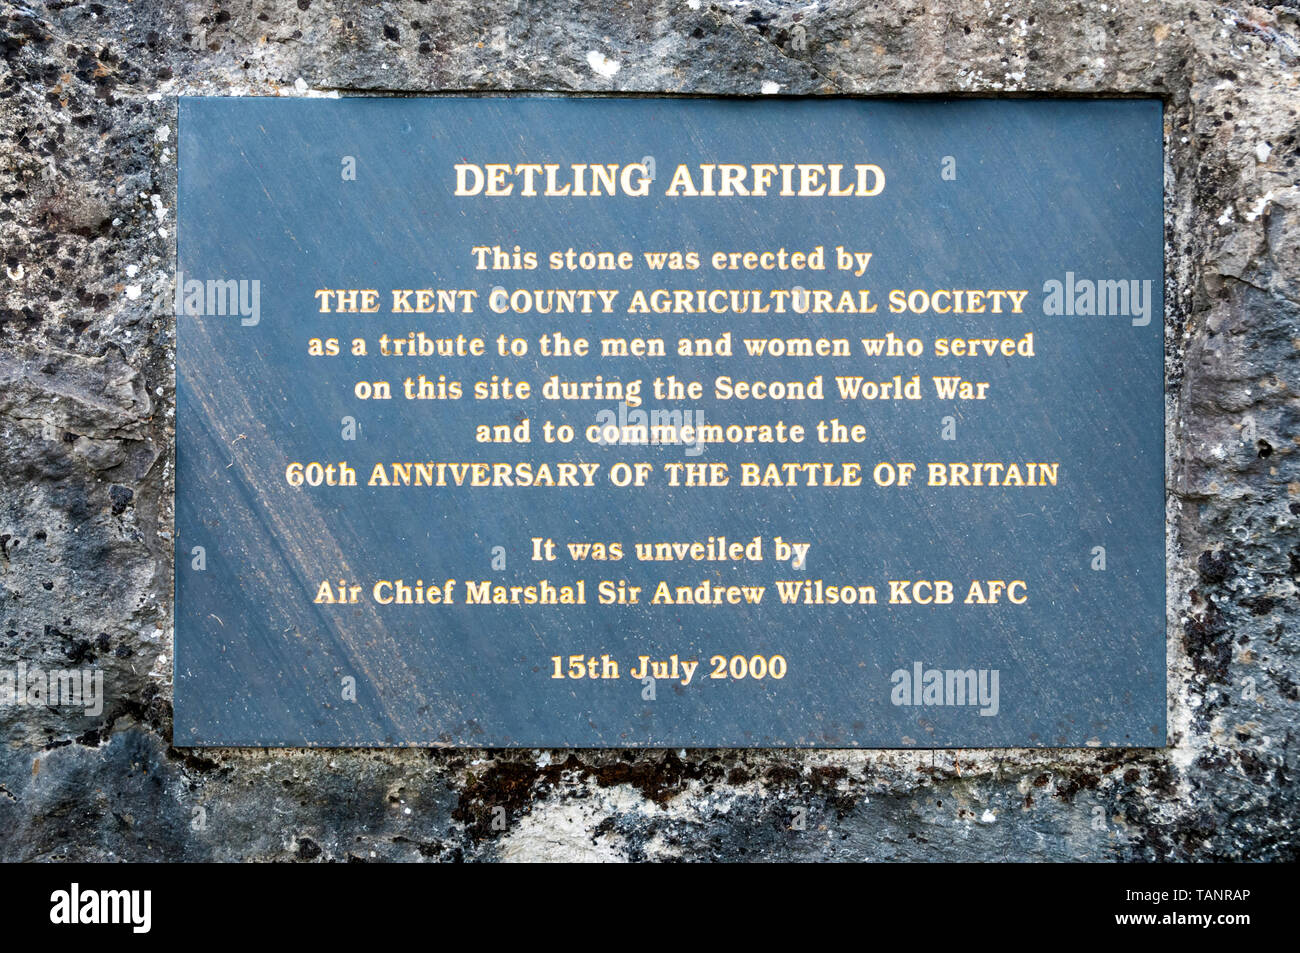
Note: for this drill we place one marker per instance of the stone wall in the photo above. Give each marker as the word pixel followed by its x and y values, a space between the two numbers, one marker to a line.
pixel 87 234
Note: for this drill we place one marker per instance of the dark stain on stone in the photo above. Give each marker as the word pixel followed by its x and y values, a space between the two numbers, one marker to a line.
pixel 121 497
pixel 1214 566
pixel 1208 642
pixel 1068 787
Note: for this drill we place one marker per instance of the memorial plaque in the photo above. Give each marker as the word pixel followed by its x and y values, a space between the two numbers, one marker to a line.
pixel 658 422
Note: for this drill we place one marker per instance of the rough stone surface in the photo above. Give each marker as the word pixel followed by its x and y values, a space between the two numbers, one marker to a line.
pixel 87 209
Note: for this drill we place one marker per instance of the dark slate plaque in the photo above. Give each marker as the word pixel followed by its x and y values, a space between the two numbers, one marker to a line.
pixel 959 304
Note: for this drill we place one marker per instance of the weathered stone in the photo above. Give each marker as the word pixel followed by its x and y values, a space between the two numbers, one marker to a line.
pixel 87 182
